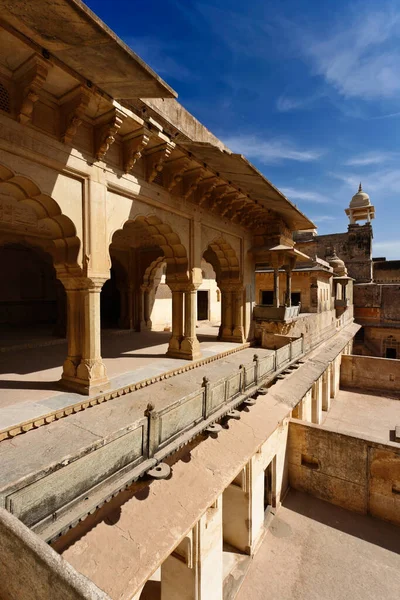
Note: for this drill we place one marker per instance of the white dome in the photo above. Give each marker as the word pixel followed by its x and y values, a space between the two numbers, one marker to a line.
pixel 360 200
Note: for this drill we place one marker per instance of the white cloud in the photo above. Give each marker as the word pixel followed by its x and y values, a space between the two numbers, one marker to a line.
pixel 371 158
pixel 323 218
pixel 305 195
pixel 270 151
pixel 386 182
pixel 288 103
pixel 361 58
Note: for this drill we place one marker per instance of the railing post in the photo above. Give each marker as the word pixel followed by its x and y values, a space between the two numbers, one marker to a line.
pixel 256 367
pixel 207 396
pixel 153 427
pixel 290 351
pixel 242 378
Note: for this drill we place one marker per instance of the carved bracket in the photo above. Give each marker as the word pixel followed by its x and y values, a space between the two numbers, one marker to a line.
pixel 205 189
pixel 72 112
pixel 156 158
pixel 106 131
pixel 220 192
pixel 133 145
pixel 191 181
pixel 226 202
pixel 174 171
pixel 30 79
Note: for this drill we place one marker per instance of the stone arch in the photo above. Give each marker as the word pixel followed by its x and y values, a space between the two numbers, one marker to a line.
pixel 43 216
pixel 162 235
pixel 153 271
pixel 220 254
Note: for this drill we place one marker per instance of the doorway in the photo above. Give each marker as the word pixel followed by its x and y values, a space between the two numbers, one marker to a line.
pixel 269 487
pixel 202 305
pixel 391 353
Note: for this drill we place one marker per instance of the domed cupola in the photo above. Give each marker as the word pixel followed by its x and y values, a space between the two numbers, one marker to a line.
pixel 360 208
pixel 338 266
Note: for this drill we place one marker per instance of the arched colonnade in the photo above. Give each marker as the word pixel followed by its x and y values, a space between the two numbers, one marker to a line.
pixel 137 251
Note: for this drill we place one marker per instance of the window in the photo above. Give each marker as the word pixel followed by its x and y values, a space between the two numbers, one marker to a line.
pixel 267 297
pixel 295 298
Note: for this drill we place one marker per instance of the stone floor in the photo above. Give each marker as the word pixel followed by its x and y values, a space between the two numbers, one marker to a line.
pixel 373 415
pixel 29 376
pixel 317 551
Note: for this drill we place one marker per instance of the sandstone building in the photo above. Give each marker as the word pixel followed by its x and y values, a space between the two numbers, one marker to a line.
pixel 179 398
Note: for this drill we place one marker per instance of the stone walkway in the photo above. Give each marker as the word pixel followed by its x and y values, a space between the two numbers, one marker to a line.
pixel 316 551
pixel 371 415
pixel 29 378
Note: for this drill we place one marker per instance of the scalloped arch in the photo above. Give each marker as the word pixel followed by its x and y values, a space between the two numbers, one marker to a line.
pixel 222 257
pixel 60 239
pixel 162 235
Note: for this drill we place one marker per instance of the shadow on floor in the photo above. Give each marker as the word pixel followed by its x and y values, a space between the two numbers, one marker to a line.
pixel 364 527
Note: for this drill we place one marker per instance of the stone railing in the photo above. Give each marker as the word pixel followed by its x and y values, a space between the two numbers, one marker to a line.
pixel 53 503
pixel 262 312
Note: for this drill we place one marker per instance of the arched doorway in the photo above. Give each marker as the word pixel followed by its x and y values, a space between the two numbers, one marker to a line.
pixel 32 300
pixel 225 263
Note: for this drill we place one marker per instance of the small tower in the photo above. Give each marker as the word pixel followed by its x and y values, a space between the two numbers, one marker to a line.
pixel 360 208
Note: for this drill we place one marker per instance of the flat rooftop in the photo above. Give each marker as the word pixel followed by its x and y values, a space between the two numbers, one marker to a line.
pixel 316 551
pixel 365 413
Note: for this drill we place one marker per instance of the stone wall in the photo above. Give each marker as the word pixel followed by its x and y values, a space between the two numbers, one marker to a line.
pixel 370 372
pixel 353 246
pixel 31 570
pixel 354 473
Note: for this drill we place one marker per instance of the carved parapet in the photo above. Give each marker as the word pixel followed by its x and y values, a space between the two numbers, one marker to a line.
pixel 174 171
pixel 106 131
pixel 30 78
pixel 72 112
pixel 155 159
pixel 133 146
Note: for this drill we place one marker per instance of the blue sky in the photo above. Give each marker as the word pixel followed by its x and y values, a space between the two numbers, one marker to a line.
pixel 309 91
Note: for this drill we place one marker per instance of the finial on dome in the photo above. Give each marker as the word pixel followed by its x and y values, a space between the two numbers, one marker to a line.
pixel 360 188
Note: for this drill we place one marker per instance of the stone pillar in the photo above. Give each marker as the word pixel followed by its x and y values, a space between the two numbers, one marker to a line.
pixel 316 410
pixel 238 330
pixel 288 286
pixel 335 376
pixel 130 309
pixel 227 314
pixel 194 571
pixel 276 287
pixel 177 321
pixel 73 329
pixel 84 370
pixel 145 322
pixel 190 347
pixel 326 389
